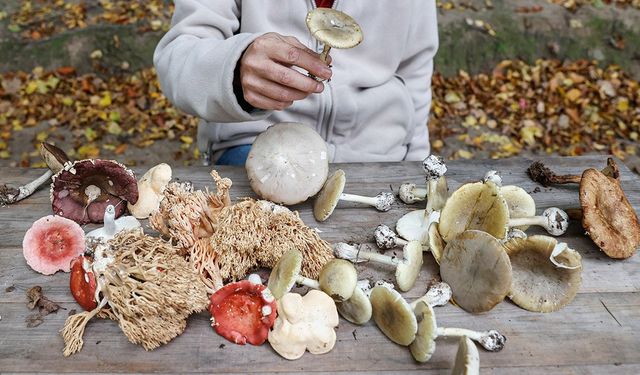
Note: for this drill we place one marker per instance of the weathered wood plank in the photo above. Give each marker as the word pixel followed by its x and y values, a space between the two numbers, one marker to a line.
pixel 583 334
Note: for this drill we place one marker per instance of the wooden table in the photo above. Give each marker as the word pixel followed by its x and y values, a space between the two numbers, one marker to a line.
pixel 597 333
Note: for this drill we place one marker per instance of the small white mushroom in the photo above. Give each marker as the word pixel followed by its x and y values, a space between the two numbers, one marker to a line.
pixel 386 238
pixel 407 269
pixel 112 225
pixel 409 193
pixel 553 220
pixel 150 189
pixel 332 193
pixel 414 226
pixel 494 177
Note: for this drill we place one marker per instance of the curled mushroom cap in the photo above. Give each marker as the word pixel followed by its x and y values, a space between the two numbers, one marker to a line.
pixel 543 281
pixel 393 315
pixel 607 215
pixel 467 358
pixel 475 206
pixel 478 270
pixel 82 190
pixel 334 28
pixel 287 163
pixel 520 203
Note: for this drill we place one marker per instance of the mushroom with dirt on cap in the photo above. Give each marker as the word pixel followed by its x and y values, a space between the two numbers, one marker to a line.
pixel 407 268
pixel 333 28
pixel 332 192
pixel 55 159
pixel 477 267
pixel 288 163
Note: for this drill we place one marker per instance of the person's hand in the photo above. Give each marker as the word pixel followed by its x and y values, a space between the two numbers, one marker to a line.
pixel 267 78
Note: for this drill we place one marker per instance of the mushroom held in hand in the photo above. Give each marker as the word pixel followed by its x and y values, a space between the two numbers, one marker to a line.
pixel 334 29
pixel 288 163
pixel 52 243
pixel 150 189
pixel 81 191
pixel 112 225
pixel 243 312
pixel 407 269
pixel 337 278
pixel 546 274
pixel 478 270
pixel 424 345
pixel 332 192
pixel 304 323
pixel 467 358
pixel 55 159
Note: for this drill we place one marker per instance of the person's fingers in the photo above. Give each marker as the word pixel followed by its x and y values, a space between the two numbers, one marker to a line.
pixel 273 90
pixel 260 101
pixel 289 77
pixel 290 55
pixel 294 41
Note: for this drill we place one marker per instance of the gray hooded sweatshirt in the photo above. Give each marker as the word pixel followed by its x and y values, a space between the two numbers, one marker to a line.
pixel 375 107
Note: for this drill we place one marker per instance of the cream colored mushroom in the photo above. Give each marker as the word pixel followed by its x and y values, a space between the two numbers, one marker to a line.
pixel 304 323
pixel 393 315
pixel 112 226
pixel 150 189
pixel 467 358
pixel 334 29
pixel 357 309
pixel 546 274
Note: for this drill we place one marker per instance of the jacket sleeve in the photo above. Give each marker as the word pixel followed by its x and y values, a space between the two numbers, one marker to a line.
pixel 416 70
pixel 197 58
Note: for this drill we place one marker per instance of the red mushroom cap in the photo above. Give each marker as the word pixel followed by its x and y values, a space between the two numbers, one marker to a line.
pixel 83 190
pixel 51 243
pixel 83 284
pixel 243 312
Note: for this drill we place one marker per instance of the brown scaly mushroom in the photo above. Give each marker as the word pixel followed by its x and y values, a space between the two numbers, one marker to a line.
pixel 288 163
pixel 478 269
pixel 546 274
pixel 55 159
pixel 607 216
pixel 332 193
pixel 334 29
pixel 143 285
pixel 424 344
pixel 407 269
pixel 82 190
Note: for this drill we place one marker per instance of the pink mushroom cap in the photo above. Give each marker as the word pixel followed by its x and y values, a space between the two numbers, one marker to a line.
pixel 51 243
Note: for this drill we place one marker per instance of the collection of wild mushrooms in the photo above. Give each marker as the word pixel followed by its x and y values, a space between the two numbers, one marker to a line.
pixel 210 245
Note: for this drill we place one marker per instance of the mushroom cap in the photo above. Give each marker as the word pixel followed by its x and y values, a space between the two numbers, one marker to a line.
pixel 356 309
pixel 53 156
pixel 411 226
pixel 478 269
pixel 436 244
pixel 334 28
pixel 520 203
pixel 284 273
pixel 82 190
pixel 243 312
pixel 424 345
pixel 52 243
pixel 82 283
pixel 150 188
pixel 467 358
pixel 479 206
pixel 407 271
pixel 393 315
pixel 338 279
pixel 538 284
pixel 329 196
pixel 607 215
pixel 287 163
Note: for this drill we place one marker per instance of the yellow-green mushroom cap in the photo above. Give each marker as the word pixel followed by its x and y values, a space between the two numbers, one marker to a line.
pixel 334 28
pixel 478 206
pixel 520 203
pixel 328 198
pixel 356 309
pixel 407 271
pixel 284 274
pixel 539 283
pixel 477 267
pixel 393 315
pixel 467 358
pixel 424 345
pixel 436 244
pixel 338 279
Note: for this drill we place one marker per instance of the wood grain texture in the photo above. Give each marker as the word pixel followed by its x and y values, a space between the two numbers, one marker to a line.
pixel 595 334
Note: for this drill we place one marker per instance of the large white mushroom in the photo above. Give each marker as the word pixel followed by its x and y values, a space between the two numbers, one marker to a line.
pixel 288 163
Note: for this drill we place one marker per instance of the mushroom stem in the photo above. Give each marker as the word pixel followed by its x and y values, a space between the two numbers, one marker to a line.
pixel 553 220
pixel 9 195
pixel 438 294
pixel 382 201
pixel 353 254
pixel 305 281
pixel 435 168
pixel 325 52
pixel 491 340
pixel 110 220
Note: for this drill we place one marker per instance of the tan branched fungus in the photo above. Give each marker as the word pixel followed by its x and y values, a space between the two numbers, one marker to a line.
pixel 143 285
